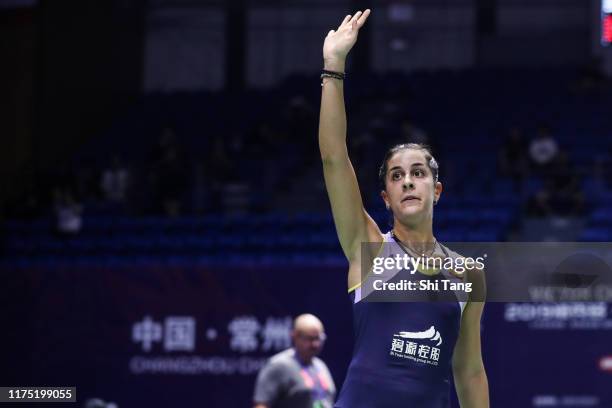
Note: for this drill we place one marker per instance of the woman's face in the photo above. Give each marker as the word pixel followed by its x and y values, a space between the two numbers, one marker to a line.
pixel 410 187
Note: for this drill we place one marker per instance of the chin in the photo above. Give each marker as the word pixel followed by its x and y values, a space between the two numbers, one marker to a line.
pixel 412 210
pixel 412 215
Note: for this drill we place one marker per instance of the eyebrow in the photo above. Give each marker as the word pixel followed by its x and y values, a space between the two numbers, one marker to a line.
pixel 412 165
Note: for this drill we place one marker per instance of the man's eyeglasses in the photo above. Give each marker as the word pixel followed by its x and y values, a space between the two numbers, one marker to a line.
pixel 321 337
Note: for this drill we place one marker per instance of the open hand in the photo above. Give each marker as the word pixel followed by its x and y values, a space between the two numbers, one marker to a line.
pixel 339 42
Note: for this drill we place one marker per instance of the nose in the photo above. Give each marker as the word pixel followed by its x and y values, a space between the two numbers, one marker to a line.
pixel 408 184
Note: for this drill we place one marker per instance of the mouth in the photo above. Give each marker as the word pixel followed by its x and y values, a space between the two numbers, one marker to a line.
pixel 410 198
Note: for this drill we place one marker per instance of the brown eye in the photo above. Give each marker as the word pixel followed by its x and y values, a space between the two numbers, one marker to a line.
pixel 418 173
pixel 396 176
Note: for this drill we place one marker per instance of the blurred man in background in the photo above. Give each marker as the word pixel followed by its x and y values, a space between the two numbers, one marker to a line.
pixel 295 377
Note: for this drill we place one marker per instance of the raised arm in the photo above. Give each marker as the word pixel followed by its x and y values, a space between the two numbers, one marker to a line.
pixel 353 224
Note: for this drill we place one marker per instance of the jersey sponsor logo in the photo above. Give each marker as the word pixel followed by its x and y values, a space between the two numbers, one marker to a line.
pixel 417 346
pixel 430 333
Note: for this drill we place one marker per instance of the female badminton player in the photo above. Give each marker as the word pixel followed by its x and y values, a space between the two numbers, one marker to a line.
pixel 404 351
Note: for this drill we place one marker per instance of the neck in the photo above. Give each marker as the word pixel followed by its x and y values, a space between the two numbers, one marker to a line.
pixel 418 238
pixel 302 359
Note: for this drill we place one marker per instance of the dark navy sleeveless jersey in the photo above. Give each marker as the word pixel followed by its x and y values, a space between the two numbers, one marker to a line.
pixel 403 351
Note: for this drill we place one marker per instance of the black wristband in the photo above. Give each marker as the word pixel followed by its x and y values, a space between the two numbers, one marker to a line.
pixel 333 74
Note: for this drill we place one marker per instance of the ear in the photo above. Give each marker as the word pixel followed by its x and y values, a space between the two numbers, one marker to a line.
pixel 385 198
pixel 438 191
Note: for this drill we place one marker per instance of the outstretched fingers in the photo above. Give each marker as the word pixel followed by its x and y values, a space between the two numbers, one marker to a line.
pixel 346 20
pixel 361 19
pixel 353 22
pixel 356 16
